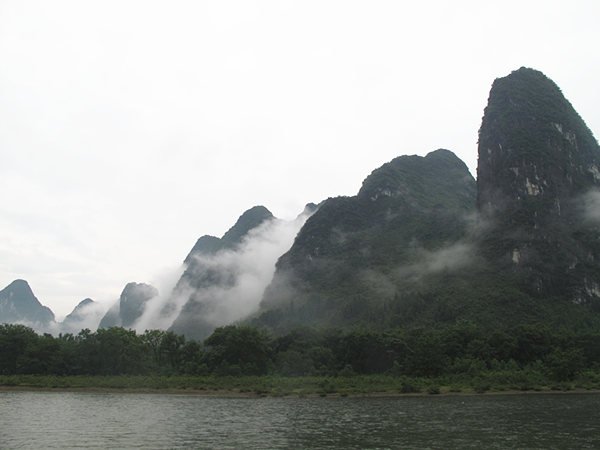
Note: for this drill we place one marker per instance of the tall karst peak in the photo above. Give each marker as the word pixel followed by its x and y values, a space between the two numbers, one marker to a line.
pixel 344 266
pixel 209 245
pixel 421 179
pixel 20 289
pixel 133 301
pixel 206 275
pixel 130 306
pixel 538 163
pixel 19 304
pixel 80 306
pixel 87 314
pixel 250 219
pixel 533 146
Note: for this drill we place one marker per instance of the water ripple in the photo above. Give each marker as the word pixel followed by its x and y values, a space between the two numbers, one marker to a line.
pixel 114 420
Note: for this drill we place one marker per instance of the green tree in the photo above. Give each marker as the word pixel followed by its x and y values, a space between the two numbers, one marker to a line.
pixel 121 352
pixel 238 350
pixel 14 339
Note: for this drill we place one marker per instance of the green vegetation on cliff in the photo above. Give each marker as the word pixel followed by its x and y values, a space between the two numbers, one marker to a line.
pixel 356 256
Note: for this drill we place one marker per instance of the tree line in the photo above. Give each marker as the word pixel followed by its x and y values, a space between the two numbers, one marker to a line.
pixel 244 350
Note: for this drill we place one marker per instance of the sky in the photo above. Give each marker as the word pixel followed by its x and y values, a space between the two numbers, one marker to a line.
pixel 130 128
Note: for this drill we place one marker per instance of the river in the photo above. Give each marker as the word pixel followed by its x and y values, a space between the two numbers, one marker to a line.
pixel 36 419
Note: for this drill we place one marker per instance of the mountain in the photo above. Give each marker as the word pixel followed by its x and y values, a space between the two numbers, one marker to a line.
pixel 87 314
pixel 18 304
pixel 422 244
pixel 355 255
pixel 209 245
pixel 130 306
pixel 207 278
pixel 539 189
pixel 77 313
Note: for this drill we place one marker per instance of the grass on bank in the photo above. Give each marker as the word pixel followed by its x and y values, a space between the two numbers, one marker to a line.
pixel 313 386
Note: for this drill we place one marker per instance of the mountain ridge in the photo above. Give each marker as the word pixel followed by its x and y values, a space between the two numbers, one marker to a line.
pixel 422 243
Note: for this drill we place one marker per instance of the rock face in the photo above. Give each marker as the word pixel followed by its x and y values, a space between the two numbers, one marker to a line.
pixel 77 313
pixel 538 178
pixel 354 254
pixel 403 251
pixel 87 314
pixel 18 304
pixel 130 306
pixel 205 278
pixel 209 245
pixel 421 244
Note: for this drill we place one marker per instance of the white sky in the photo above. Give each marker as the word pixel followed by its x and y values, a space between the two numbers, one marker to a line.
pixel 130 128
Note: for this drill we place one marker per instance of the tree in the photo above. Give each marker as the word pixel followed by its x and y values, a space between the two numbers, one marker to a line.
pixel 236 350
pixel 121 352
pixel 14 339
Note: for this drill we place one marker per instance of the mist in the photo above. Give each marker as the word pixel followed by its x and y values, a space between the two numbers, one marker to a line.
pixel 591 206
pixel 225 287
pixel 84 316
pixel 155 315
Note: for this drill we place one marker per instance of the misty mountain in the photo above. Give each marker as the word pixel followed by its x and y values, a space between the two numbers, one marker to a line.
pixel 539 186
pixel 422 244
pixel 233 237
pixel 87 314
pixel 18 304
pixel 346 261
pixel 130 306
pixel 224 278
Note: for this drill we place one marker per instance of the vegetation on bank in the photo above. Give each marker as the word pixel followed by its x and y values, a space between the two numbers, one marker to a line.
pixel 243 359
pixel 491 381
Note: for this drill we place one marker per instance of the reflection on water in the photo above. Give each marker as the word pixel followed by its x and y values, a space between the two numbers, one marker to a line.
pixel 113 420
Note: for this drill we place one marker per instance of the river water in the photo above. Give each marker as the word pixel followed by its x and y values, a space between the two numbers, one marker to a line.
pixel 124 420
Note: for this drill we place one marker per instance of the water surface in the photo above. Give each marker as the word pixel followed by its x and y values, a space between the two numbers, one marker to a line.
pixel 125 420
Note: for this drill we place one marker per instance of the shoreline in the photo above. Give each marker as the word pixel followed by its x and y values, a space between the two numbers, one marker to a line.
pixel 225 393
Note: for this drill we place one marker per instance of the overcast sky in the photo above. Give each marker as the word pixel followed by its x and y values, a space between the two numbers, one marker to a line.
pixel 128 129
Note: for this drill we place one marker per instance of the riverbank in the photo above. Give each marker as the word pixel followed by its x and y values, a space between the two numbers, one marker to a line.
pixel 240 394
pixel 270 386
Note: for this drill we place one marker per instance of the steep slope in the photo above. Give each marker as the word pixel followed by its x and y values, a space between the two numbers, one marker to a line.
pixel 206 278
pixel 404 251
pixel 130 306
pixel 18 304
pixel 356 255
pixel 87 314
pixel 77 312
pixel 538 182
pixel 208 245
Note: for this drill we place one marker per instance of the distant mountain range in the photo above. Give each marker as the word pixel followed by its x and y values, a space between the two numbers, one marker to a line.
pixel 421 244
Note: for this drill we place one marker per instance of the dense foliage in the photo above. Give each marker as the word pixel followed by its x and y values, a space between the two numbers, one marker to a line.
pixel 461 350
pixel 355 254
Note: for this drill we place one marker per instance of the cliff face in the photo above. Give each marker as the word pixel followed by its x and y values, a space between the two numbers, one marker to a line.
pixel 130 306
pixel 200 288
pixel 209 245
pixel 87 314
pixel 18 304
pixel 402 252
pixel 537 177
pixel 352 257
pixel 421 244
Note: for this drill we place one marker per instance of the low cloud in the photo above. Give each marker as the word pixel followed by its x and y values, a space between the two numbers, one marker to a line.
pixel 447 259
pixel 156 315
pixel 86 316
pixel 222 288
pixel 591 206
